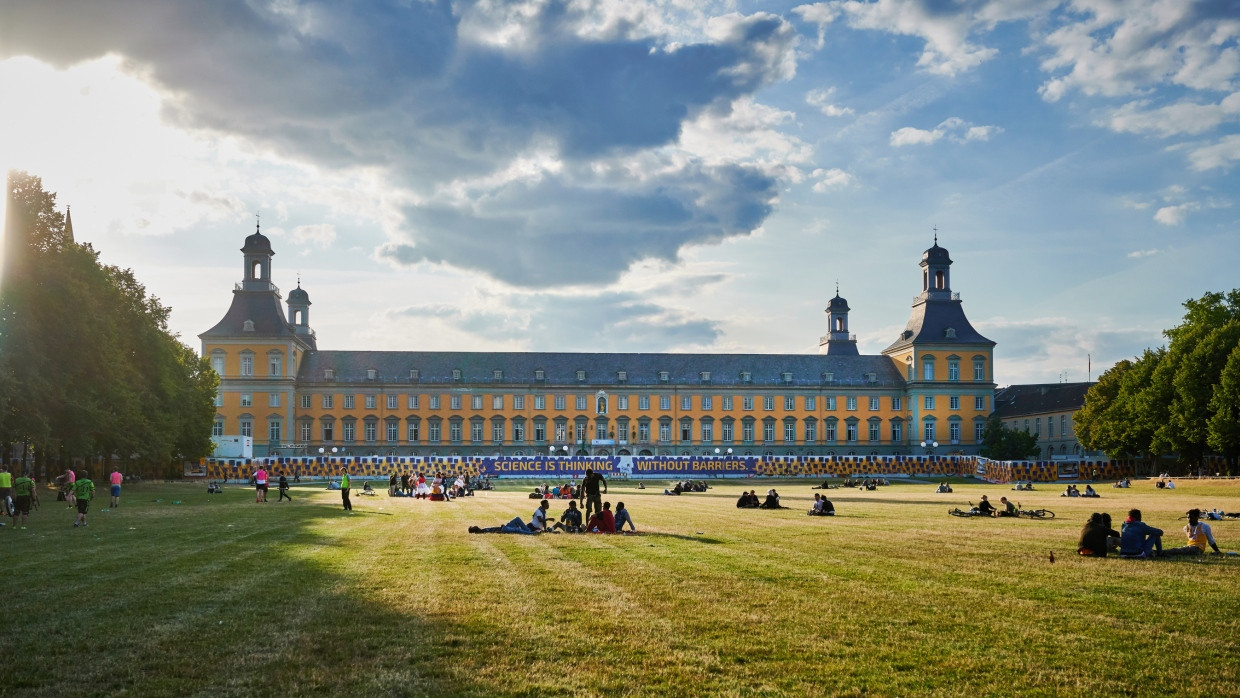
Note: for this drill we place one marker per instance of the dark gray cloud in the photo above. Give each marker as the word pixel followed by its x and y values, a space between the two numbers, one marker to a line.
pixel 397 85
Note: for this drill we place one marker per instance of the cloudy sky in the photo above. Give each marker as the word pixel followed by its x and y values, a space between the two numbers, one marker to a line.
pixel 648 175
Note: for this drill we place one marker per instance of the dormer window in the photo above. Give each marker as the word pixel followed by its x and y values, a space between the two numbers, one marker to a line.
pixel 828 376
pixel 746 377
pixel 414 374
pixel 581 376
pixel 871 378
pixel 329 374
pixel 664 376
pixel 370 374
pixel 456 374
pixel 247 326
pixel 622 376
pixel 497 374
pixel 540 375
pixel 704 376
pixel 786 376
pixel 949 333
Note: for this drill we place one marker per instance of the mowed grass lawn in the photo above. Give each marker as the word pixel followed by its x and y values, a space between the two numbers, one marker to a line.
pixel 217 595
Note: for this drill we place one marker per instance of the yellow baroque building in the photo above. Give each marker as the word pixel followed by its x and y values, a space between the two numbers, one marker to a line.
pixel 930 391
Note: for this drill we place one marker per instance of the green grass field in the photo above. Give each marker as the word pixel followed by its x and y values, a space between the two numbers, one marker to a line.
pixel 217 595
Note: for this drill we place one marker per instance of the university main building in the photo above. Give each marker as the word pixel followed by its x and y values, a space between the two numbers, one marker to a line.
pixel 933 384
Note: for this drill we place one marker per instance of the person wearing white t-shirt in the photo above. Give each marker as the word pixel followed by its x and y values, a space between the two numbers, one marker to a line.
pixel 539 522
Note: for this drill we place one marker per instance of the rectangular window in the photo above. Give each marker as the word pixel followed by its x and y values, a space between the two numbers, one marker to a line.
pixel 579 431
pixel 540 431
pixel 874 431
pixel 643 432
pixel 897 404
pixel 305 402
pixel 874 404
pixel 811 432
pixel 727 403
pixel 979 429
pixel 497 432
pixel 413 433
pixel 247 400
pixel 953 429
pixel 371 402
pixel 665 432
pixel 665 402
pixel 1063 425
pixel 927 369
pixel 475 431
pixel 953 370
pixel 897 432
pixel 247 365
pixel 581 402
pixel 518 402
pixel 953 402
pixel 622 432
pixel 1037 426
pixel 768 431
pixel 928 402
pixel 1050 427
pixel 455 402
pixel 413 402
pixel 686 402
pixel 811 403
pixel 768 402
pixel 328 432
pixel 790 433
pixel 454 431
pixel 497 402
pixel 561 402
pixel 686 431
pixel 747 432
pixel 217 429
pixel 475 402
pixel 727 432
pixel 391 402
pixel 622 402
pixel 350 431
pixel 708 402
pixel 305 432
pixel 831 404
pixel 979 403
pixel 434 402
pixel 328 401
pixel 828 432
pixel 433 434
pixel 790 404
pixel 850 432
pixel 219 399
pixel 643 402
pixel 347 402
pixel 929 432
pixel 747 404
pixel 979 370
pixel 247 428
pixel 851 403
pixel 274 365
pixel 217 365
pixel 273 399
pixel 393 433
pixel 708 433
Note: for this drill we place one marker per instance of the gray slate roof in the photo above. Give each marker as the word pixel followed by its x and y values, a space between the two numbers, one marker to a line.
pixel 263 307
pixel 1039 398
pixel 930 321
pixel 435 367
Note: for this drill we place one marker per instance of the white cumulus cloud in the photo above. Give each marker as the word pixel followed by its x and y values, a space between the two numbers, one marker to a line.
pixel 953 128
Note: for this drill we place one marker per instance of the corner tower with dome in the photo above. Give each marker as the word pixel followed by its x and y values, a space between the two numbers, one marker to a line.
pixel 948 366
pixel 257 349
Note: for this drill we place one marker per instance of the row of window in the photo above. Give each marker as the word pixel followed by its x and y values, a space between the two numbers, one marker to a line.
pixel 953 369
pixel 275 364
pixel 580 375
pixel 706 431
pixel 1037 426
pixel 581 402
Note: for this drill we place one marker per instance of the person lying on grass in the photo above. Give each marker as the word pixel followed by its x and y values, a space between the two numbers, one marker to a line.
pixel 675 490
pixel 1199 535
pixel 1096 537
pixel 570 520
pixel 748 500
pixel 1139 539
pixel 772 500
pixel 822 507
pixel 603 521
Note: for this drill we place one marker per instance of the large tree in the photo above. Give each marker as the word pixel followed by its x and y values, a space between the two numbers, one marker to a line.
pixel 1003 443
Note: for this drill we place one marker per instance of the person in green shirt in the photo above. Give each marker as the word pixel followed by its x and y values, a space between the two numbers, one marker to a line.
pixel 23 488
pixel 83 490
pixel 344 489
pixel 6 491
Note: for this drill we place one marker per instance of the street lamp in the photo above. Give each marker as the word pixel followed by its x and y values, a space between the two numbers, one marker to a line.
pixel 929 446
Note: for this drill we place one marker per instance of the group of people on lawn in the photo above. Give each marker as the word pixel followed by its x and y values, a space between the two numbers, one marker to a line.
pixel 1137 539
pixel 1074 491
pixel 18 494
pixel 437 488
pixel 598 515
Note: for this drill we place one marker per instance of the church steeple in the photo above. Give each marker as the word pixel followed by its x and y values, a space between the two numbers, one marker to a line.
pixel 837 341
pixel 68 225
pixel 936 272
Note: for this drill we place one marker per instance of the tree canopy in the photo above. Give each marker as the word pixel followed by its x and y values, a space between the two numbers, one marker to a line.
pixel 87 365
pixel 1181 399
pixel 1003 443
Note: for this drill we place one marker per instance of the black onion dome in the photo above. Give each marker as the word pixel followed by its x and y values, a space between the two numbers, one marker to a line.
pixel 936 255
pixel 838 304
pixel 257 243
pixel 298 295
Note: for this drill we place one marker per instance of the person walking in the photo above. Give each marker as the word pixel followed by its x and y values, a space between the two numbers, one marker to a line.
pixel 344 489
pixel 83 490
pixel 23 488
pixel 284 489
pixel 589 491
pixel 260 484
pixel 116 479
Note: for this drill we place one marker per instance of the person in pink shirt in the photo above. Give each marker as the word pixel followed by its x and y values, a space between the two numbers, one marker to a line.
pixel 115 479
pixel 70 478
pixel 260 479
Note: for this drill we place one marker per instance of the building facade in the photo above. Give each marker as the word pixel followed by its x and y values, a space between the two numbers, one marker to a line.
pixel 934 384
pixel 1046 410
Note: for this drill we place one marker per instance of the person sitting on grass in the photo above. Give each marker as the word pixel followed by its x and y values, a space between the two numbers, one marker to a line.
pixel 772 500
pixel 623 517
pixel 675 490
pixel 748 500
pixel 538 522
pixel 1199 535
pixel 603 521
pixel 1089 491
pixel 1139 539
pixel 570 520
pixel 1096 537
pixel 985 508
pixel 943 488
pixel 822 507
pixel 1009 509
